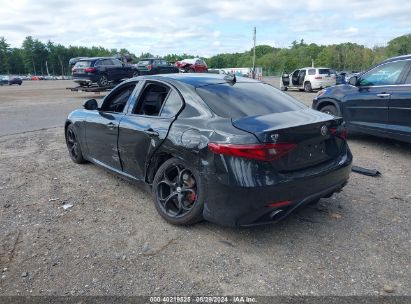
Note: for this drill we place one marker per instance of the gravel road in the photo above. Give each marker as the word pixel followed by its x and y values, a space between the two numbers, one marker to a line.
pixel 111 241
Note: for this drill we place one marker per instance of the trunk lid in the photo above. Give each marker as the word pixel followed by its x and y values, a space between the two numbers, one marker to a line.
pixel 308 129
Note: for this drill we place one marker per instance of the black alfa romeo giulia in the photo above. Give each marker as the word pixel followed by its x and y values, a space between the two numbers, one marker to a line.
pixel 234 151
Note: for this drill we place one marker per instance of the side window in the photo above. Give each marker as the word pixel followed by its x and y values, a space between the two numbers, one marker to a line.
pixel 116 101
pixel 156 62
pixel 117 62
pixel 386 74
pixel 172 105
pixel 408 79
pixel 311 72
pixel 151 99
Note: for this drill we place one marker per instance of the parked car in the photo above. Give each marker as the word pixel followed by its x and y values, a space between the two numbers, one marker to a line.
pixel 234 151
pixel 195 65
pixel 377 102
pixel 4 80
pixel 308 79
pixel 102 70
pixel 217 71
pixel 151 66
pixel 10 80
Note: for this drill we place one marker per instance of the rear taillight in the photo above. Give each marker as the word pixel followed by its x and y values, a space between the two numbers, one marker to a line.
pixel 89 70
pixel 279 204
pixel 318 77
pixel 149 67
pixel 264 152
pixel 340 132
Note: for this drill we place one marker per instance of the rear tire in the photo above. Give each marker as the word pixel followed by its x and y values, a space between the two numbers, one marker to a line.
pixel 307 87
pixel 178 193
pixel 102 81
pixel 330 109
pixel 283 88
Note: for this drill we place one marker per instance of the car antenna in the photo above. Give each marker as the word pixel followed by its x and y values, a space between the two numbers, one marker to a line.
pixel 231 79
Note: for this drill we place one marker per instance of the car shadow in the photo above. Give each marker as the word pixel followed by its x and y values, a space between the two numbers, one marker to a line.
pixel 385 143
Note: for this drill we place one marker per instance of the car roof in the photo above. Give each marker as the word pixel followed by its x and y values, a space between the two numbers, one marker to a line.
pixel 196 79
pixel 403 57
pixel 143 59
pixel 95 58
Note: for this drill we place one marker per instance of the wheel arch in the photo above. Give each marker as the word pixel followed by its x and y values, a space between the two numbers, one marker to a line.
pixel 155 162
pixel 329 102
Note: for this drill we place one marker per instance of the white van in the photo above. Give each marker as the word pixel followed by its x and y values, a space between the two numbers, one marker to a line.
pixel 308 79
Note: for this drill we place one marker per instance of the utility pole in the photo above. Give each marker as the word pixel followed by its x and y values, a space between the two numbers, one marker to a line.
pixel 47 68
pixel 254 38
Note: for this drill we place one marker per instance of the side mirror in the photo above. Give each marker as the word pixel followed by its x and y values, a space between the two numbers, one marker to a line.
pixel 353 81
pixel 91 105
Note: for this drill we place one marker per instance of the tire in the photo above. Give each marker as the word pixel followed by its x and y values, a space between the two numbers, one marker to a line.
pixel 102 81
pixel 191 70
pixel 73 145
pixel 283 88
pixel 178 193
pixel 307 87
pixel 330 109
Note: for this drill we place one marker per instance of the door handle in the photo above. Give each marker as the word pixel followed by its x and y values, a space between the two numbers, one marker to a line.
pixel 111 126
pixel 151 133
pixel 383 95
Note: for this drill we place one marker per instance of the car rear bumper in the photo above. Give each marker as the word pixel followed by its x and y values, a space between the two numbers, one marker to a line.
pixel 85 78
pixel 248 206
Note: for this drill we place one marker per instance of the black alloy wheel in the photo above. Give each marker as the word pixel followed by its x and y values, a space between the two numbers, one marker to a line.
pixel 177 193
pixel 102 81
pixel 73 145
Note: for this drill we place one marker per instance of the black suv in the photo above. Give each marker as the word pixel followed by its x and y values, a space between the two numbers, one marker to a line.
pixel 102 70
pixel 151 66
pixel 376 102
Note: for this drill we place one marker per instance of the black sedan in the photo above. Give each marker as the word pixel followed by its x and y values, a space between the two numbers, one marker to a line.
pixel 152 66
pixel 377 102
pixel 233 151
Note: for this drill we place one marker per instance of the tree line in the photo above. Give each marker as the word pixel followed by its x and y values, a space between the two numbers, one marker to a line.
pixel 39 58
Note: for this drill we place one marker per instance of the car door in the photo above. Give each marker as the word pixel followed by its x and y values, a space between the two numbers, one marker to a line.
pixel 301 77
pixel 102 127
pixel 366 107
pixel 399 109
pixel 119 70
pixel 146 126
pixel 295 78
pixel 285 79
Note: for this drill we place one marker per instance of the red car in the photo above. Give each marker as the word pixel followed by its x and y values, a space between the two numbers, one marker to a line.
pixel 194 65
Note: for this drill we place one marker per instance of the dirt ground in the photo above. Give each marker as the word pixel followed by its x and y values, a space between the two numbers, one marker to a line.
pixel 113 242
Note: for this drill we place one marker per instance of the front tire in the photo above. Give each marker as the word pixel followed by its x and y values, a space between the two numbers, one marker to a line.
pixel 178 193
pixel 102 81
pixel 73 145
pixel 330 109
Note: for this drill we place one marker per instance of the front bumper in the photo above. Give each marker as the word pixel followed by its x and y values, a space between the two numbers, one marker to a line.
pixel 248 206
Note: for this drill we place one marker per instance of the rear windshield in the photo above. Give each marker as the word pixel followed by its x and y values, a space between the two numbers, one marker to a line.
pixel 144 62
pixel 324 71
pixel 247 99
pixel 82 64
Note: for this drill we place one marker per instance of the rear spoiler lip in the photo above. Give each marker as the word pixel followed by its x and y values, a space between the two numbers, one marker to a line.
pixel 283 120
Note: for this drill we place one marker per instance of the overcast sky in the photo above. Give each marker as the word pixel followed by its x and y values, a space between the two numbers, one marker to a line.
pixel 203 27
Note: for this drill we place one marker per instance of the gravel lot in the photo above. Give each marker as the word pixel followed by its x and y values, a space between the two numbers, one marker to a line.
pixel 113 242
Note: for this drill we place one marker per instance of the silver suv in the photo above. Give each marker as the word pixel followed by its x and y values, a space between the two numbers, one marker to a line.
pixel 308 79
